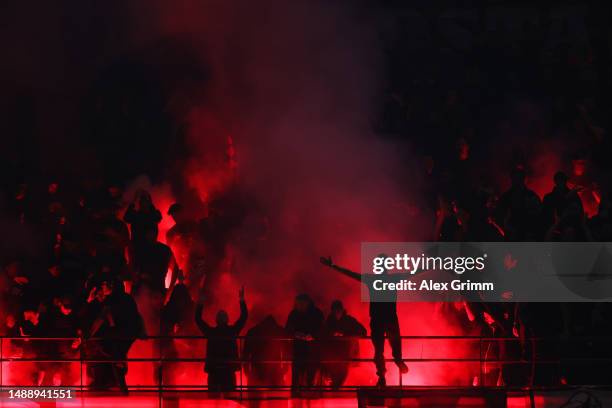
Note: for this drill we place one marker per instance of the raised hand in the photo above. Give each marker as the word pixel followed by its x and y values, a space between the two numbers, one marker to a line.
pixel 327 261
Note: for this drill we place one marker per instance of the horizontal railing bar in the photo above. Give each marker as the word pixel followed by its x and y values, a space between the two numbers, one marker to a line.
pixel 204 388
pixel 363 360
pixel 242 337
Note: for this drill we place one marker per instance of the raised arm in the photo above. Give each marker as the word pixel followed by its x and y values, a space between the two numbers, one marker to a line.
pixel 244 312
pixel 329 263
pixel 174 268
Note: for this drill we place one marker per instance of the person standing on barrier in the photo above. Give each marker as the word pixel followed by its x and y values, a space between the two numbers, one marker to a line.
pixel 221 346
pixel 383 321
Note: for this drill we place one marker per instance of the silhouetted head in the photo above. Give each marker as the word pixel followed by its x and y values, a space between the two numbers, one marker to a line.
pixel 144 200
pixel 177 212
pixel 337 309
pixel 222 318
pixel 302 302
pixel 268 321
pixel 560 179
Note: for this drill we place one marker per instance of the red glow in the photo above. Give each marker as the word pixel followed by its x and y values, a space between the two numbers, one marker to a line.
pixel 578 167
pixel 192 401
pixel 163 199
pixel 543 169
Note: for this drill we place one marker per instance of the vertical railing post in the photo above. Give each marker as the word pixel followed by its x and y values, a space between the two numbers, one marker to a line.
pixel 160 369
pixel 401 379
pixel 533 361
pixel 480 362
pixel 240 348
pixel 1 363
pixel 82 345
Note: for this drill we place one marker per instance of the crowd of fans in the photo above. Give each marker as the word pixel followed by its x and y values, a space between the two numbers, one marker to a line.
pixel 512 127
pixel 107 281
pixel 94 255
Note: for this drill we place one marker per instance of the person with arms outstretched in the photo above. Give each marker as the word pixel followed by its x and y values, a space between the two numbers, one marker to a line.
pixel 221 346
pixel 383 321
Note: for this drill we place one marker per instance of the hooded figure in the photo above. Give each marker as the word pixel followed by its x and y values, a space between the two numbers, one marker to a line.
pixel 266 347
pixel 340 344
pixel 304 325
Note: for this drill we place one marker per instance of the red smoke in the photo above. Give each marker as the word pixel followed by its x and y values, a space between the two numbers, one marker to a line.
pixel 284 113
pixel 284 117
pixel 297 101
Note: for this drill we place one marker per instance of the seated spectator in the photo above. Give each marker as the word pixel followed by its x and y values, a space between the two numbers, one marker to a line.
pixel 304 325
pixel 340 344
pixel 266 353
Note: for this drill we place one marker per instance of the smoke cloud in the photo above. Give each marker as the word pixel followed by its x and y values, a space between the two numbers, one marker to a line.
pixel 271 102
pixel 293 87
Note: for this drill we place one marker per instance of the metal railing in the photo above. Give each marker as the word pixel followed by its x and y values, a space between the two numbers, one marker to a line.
pixel 484 356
